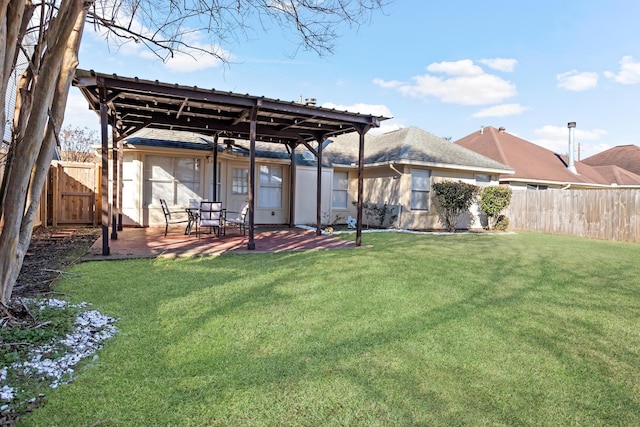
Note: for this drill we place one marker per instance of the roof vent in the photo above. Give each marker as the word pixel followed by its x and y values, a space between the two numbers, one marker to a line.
pixel 501 129
pixel 310 101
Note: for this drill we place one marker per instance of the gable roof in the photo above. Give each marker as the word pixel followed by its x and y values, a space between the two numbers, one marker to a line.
pixel 624 156
pixel 533 163
pixel 410 146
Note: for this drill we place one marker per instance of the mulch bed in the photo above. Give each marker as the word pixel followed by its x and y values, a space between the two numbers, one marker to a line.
pixel 51 251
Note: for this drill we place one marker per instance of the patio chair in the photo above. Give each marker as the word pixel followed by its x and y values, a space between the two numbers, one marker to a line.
pixel 240 220
pixel 211 215
pixel 168 219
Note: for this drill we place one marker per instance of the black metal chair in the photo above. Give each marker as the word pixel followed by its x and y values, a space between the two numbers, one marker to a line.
pixel 168 219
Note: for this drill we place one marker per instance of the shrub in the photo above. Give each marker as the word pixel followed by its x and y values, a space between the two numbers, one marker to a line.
pixel 452 200
pixel 492 201
pixel 502 223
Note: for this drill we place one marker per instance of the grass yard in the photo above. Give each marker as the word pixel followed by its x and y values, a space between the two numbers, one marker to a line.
pixel 435 330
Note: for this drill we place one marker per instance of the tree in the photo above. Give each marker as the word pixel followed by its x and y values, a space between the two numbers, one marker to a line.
pixel 77 144
pixel 494 200
pixel 49 35
pixel 452 200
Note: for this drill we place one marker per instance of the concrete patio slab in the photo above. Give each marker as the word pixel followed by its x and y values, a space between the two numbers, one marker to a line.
pixel 150 242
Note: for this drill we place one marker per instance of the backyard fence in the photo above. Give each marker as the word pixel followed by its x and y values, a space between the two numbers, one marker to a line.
pixel 609 214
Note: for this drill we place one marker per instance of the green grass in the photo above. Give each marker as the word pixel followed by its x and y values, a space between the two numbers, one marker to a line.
pixel 430 330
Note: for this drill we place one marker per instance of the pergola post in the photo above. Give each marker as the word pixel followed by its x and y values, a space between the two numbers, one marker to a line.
pixel 292 186
pixel 252 175
pixel 319 190
pixel 214 192
pixel 104 187
pixel 361 132
pixel 114 184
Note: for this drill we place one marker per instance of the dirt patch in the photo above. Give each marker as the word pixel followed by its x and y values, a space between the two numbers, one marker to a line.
pixel 50 252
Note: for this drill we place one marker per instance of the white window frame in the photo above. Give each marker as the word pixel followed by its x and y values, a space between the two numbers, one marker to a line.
pixel 340 192
pixel 270 186
pixel 176 191
pixel 240 181
pixel 419 191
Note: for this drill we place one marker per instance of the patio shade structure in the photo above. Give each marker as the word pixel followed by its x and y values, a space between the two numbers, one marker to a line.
pixel 131 104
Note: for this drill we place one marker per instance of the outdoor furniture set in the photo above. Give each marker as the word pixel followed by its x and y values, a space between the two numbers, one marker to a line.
pixel 204 213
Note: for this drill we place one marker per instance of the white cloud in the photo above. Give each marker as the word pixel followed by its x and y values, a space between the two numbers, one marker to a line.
pixel 556 139
pixel 392 84
pixel 196 58
pixel 501 64
pixel 78 114
pixel 502 110
pixel 463 83
pixel 464 67
pixel 577 81
pixel 629 72
pixel 362 108
pixel 466 90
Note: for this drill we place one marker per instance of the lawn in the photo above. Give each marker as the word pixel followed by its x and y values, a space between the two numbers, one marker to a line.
pixel 433 330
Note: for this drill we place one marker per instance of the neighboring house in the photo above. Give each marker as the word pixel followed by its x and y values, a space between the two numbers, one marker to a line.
pixel 538 168
pixel 624 156
pixel 400 168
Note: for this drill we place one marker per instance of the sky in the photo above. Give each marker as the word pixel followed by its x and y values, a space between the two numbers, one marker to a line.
pixel 447 67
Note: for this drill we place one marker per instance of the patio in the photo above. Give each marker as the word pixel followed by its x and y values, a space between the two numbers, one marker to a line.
pixel 150 242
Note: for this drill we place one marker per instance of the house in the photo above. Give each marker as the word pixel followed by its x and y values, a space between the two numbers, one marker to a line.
pixel 538 168
pixel 178 166
pixel 623 156
pixel 399 169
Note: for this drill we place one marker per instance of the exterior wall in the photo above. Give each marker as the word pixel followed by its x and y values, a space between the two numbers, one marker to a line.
pixel 382 186
pixel 306 195
pixel 142 213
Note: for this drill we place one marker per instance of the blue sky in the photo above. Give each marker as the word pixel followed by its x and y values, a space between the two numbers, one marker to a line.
pixel 445 67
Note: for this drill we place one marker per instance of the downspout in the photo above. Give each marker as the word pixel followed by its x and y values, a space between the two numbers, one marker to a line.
pixel 566 187
pixel 393 168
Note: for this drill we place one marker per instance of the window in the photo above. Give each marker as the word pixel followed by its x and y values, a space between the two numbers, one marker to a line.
pixel 420 189
pixel 270 190
pixel 240 181
pixel 340 193
pixel 483 179
pixel 537 187
pixel 176 179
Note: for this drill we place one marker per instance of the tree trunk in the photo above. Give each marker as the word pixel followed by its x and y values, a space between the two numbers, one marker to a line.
pixel 29 147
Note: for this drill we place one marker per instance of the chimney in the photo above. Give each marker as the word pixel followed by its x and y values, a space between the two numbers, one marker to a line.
pixel 502 129
pixel 572 131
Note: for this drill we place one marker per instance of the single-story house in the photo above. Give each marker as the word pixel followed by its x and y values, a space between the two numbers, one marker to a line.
pixel 623 156
pixel 538 168
pixel 399 169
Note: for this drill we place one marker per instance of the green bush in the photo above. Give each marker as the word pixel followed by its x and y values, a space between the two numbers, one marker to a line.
pixel 494 200
pixel 502 223
pixel 452 200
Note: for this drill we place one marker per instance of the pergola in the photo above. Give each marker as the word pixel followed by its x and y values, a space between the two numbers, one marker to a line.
pixel 131 104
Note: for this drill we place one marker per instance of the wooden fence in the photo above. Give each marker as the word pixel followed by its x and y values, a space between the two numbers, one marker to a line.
pixel 73 194
pixel 609 214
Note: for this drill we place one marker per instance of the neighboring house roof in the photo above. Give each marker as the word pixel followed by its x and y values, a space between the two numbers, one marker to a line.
pixel 410 146
pixel 624 156
pixel 535 164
